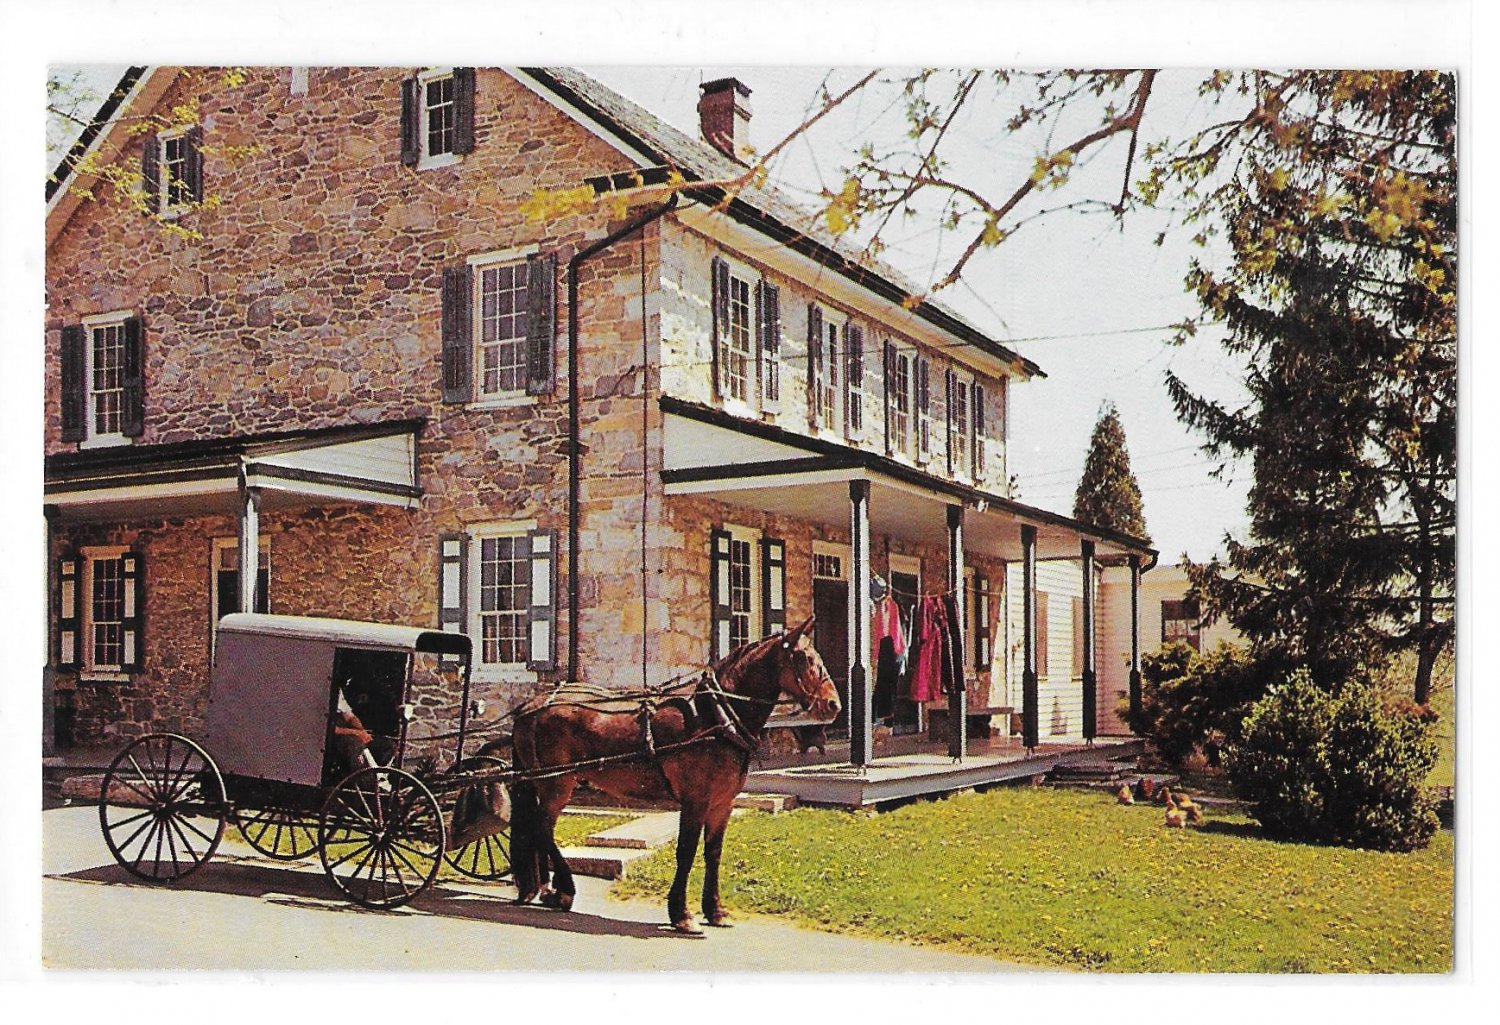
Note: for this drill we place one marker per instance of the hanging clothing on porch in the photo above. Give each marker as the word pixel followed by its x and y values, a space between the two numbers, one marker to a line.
pixel 890 654
pixel 934 650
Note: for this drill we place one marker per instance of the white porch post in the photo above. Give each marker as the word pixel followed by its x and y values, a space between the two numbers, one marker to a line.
pixel 49 673
pixel 1090 677
pixel 1135 637
pixel 249 544
pixel 957 696
pixel 861 731
pixel 1029 730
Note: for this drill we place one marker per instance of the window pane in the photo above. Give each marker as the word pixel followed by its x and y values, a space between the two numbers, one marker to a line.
pixel 107 610
pixel 504 599
pixel 502 329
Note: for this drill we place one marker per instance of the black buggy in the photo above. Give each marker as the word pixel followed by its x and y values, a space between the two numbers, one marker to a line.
pixel 308 722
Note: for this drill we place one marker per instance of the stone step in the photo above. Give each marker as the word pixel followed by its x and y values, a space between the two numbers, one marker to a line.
pixel 641 833
pixel 772 803
pixel 601 862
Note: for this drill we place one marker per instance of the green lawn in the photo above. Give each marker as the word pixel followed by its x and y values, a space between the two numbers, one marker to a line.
pixel 574 829
pixel 1067 878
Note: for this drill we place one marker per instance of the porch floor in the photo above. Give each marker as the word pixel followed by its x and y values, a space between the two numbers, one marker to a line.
pixel 912 767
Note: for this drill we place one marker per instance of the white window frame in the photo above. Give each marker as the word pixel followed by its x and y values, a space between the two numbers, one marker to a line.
pixel 425 158
pixel 831 421
pixel 749 370
pixel 755 614
pixel 907 447
pixel 167 209
pixel 495 672
pixel 963 382
pixel 478 266
pixel 834 550
pixel 89 669
pixel 91 437
pixel 217 559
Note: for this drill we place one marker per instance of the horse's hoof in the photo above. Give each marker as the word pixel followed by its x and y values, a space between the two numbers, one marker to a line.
pixel 557 901
pixel 719 921
pixel 687 926
pixel 525 898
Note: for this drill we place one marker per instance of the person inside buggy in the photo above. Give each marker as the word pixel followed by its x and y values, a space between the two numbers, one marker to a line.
pixel 365 723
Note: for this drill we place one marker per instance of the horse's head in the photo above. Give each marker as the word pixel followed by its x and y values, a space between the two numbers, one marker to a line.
pixel 803 675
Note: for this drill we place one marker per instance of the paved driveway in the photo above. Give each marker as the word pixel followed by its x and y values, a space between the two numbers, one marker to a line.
pixel 246 912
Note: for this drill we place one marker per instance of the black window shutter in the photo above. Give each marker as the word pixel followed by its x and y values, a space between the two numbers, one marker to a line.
pixel 542 615
pixel 133 621
pixel 814 363
pixel 73 363
pixel 411 121
pixel 773 584
pixel 458 335
pixel 887 379
pixel 854 380
pixel 463 110
pixel 719 300
pixel 541 322
pixel 976 443
pixel 193 169
pixel 924 409
pixel 768 319
pixel 950 385
pixel 68 616
pixel 151 174
pixel 133 379
pixel 719 597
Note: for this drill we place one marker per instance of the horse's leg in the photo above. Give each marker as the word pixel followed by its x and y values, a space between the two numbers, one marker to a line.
pixel 713 846
pixel 554 799
pixel 689 825
pixel 527 865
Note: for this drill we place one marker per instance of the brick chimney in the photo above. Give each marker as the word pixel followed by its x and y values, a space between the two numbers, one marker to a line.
pixel 724 117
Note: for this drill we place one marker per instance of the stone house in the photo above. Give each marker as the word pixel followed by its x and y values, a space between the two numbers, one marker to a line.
pixel 334 358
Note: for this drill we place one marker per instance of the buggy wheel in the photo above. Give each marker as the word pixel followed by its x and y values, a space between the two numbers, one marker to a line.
pixel 487 857
pixel 278 832
pixel 161 807
pixel 381 837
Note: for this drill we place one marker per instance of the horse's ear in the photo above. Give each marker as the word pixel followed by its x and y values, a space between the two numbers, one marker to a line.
pixel 794 635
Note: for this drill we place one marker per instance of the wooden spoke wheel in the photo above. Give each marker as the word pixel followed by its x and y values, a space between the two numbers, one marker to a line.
pixel 278 832
pixel 488 857
pixel 381 837
pixel 162 807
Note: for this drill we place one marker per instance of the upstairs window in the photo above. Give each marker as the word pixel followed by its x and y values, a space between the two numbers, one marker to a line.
pixel 172 171
pixel 102 385
pixel 1181 621
pixel 960 425
pixel 737 344
pixel 898 394
pixel 854 379
pixel 437 117
pixel 500 328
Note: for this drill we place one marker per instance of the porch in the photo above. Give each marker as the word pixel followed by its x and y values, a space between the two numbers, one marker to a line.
pixel 908 767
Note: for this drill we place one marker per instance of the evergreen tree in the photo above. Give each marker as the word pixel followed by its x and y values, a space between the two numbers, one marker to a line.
pixel 1108 494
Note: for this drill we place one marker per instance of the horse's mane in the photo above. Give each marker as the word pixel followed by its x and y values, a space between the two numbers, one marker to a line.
pixel 732 664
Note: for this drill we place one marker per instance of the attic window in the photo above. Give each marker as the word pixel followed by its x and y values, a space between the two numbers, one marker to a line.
pixel 437 117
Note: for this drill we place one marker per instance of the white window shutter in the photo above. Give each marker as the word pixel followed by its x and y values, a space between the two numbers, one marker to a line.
pixel 67 612
pixel 719 542
pixel 132 623
pixel 542 615
pixel 773 584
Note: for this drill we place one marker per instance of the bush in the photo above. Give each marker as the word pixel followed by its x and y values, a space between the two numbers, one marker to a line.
pixel 1192 702
pixel 1335 768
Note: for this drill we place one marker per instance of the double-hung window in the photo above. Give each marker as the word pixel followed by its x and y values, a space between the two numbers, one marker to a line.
pixel 106 378
pixel 747 587
pixel 100 613
pixel 854 380
pixel 102 380
pixel 738 339
pixel 172 171
pixel 176 179
pixel 438 114
pixel 497 583
pixel 500 328
pixel 960 424
pixel 899 393
pixel 437 117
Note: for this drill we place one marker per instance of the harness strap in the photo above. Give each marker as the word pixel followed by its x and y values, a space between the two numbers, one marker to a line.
pixel 647 713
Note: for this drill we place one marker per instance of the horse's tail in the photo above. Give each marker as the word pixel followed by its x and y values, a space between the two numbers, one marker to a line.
pixel 528 862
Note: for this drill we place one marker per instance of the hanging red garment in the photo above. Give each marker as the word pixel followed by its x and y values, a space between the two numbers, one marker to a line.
pixel 888 624
pixel 929 641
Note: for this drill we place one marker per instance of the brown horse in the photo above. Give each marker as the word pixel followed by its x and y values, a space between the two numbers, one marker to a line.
pixel 691 745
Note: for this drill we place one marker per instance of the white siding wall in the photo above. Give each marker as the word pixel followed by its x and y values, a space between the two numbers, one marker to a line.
pixel 1059 693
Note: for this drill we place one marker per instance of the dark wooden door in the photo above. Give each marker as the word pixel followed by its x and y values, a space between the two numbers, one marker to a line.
pixel 831 638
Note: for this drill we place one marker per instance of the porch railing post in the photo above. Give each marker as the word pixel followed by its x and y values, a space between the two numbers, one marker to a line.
pixel 249 544
pixel 957 695
pixel 861 728
pixel 1090 678
pixel 1028 634
pixel 1135 637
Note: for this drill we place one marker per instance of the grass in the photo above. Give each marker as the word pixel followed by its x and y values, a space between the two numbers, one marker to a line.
pixel 1068 879
pixel 573 829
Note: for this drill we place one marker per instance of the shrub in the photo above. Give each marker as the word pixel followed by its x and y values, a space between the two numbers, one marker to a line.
pixel 1192 702
pixel 1335 767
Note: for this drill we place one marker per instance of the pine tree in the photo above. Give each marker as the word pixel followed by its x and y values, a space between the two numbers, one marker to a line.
pixel 1108 494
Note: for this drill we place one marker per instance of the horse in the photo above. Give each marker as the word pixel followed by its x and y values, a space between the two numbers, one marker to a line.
pixel 691 745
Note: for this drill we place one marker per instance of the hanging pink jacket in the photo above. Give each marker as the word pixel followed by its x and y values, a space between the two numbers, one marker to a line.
pixel 929 639
pixel 888 624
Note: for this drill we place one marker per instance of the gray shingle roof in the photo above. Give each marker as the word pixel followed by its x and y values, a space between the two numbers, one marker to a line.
pixel 699 161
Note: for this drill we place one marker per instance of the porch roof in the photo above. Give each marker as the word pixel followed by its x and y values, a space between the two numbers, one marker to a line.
pixel 373 464
pixel 760 466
